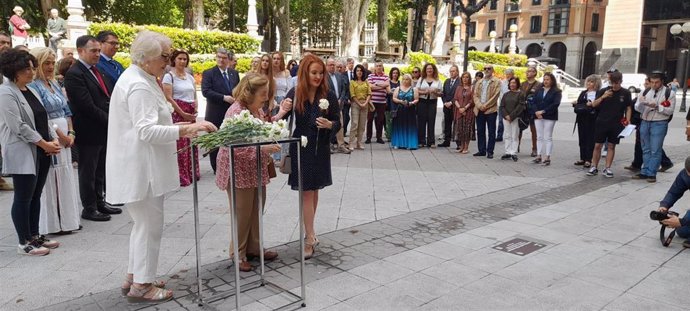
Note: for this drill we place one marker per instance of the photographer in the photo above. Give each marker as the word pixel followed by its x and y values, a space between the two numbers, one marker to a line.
pixel 678 188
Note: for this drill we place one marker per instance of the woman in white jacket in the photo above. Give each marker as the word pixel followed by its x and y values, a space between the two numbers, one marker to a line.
pixel 141 165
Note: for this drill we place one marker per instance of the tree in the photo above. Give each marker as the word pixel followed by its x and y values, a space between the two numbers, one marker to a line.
pixel 143 12
pixel 354 19
pixel 382 25
pixel 281 11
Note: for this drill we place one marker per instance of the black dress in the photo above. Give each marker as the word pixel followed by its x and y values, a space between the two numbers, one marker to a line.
pixel 316 164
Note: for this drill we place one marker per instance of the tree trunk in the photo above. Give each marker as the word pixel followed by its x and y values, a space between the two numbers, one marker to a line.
pixel 198 13
pixel 281 17
pixel 46 6
pixel 382 25
pixel 354 18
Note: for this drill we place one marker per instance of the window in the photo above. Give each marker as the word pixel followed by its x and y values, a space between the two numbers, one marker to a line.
pixel 473 29
pixel 509 22
pixel 560 2
pixel 595 22
pixel 536 2
pixel 535 24
pixel 558 20
pixel 492 25
pixel 493 5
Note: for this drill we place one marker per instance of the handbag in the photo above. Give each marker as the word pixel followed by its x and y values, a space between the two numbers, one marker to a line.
pixel 525 119
pixel 285 160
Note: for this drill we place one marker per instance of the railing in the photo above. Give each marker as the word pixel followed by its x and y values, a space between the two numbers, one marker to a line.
pixel 512 7
pixel 559 73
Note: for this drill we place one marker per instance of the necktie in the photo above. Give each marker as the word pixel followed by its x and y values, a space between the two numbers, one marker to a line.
pixel 227 81
pixel 100 80
pixel 117 68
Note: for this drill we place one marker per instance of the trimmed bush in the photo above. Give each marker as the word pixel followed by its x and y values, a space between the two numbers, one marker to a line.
pixel 517 60
pixel 419 59
pixel 520 72
pixel 194 41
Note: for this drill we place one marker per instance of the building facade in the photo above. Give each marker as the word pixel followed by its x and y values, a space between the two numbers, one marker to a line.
pixel 570 31
pixel 637 37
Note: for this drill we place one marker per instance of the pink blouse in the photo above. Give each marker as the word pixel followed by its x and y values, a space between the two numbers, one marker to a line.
pixel 245 161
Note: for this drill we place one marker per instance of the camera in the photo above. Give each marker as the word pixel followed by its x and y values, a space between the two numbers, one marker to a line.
pixel 658 216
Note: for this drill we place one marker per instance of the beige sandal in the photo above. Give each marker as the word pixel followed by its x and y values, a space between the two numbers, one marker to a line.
pixel 136 295
pixel 310 248
pixel 125 288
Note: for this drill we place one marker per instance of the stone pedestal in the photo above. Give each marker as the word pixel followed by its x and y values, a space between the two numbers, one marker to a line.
pixel 77 26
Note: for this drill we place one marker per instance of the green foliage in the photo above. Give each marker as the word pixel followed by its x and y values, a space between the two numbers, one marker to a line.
pixel 199 67
pixel 123 59
pixel 419 59
pixel 243 64
pixel 157 12
pixel 498 59
pixel 194 41
pixel 520 72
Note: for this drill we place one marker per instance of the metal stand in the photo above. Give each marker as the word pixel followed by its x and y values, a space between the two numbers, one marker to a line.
pixel 239 288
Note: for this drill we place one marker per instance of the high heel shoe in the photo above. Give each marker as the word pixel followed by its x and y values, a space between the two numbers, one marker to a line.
pixel 310 248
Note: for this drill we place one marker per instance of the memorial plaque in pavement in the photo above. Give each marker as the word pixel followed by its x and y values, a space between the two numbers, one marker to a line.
pixel 520 247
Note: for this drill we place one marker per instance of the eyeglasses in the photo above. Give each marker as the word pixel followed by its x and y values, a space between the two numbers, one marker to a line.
pixel 488 69
pixel 415 71
pixel 165 56
pixel 113 43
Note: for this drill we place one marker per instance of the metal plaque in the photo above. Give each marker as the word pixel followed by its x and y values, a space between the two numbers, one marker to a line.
pixel 519 247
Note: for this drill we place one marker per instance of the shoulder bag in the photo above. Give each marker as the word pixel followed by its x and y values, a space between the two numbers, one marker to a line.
pixel 285 161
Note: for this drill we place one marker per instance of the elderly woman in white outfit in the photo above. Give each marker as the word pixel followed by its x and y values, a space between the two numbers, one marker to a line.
pixel 141 165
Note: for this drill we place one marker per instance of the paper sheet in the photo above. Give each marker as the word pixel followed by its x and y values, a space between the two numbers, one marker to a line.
pixel 627 131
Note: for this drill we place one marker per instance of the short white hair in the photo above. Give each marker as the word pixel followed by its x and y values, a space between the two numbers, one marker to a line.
pixel 148 45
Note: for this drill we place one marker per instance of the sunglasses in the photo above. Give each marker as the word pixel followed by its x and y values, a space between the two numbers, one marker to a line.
pixel 488 68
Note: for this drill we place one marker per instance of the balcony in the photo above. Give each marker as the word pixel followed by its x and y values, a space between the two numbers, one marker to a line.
pixel 512 8
pixel 560 4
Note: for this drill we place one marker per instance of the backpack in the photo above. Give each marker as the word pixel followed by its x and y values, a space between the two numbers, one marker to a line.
pixel 637 116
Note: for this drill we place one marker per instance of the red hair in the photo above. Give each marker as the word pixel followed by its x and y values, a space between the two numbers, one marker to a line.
pixel 303 84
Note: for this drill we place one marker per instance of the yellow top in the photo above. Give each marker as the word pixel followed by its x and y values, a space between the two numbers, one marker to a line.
pixel 359 90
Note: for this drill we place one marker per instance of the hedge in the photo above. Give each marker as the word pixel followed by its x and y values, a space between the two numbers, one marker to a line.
pixel 517 60
pixel 194 41
pixel 520 72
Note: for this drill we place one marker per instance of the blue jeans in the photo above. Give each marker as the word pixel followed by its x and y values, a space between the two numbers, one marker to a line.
pixel 652 135
pixel 684 231
pixel 499 132
pixel 485 121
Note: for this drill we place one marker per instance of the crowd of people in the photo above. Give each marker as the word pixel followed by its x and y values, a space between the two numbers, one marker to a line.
pixel 128 132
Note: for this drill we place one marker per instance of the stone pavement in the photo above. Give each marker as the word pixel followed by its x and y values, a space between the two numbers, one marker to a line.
pixel 401 230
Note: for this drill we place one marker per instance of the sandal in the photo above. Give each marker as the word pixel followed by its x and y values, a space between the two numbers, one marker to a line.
pixel 136 295
pixel 587 164
pixel 579 163
pixel 128 284
pixel 536 161
pixel 310 248
pixel 547 162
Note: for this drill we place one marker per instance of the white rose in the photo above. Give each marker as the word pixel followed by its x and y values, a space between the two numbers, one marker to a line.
pixel 305 141
pixel 323 104
pixel 284 133
pixel 282 123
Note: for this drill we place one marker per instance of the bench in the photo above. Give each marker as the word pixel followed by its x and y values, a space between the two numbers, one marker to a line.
pixel 318 51
pixel 387 55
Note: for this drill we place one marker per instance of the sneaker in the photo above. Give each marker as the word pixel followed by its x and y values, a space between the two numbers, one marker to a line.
pixel 41 240
pixel 665 168
pixel 608 173
pixel 514 157
pixel 505 157
pixel 31 250
pixel 592 171
pixel 651 179
pixel 686 243
pixel 604 153
pixel 343 149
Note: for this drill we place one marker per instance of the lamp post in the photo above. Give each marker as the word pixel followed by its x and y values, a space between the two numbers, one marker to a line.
pixel 679 32
pixel 457 21
pixel 492 46
pixel 513 41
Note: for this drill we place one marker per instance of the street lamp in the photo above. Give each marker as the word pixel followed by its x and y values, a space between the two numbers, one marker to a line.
pixel 513 44
pixel 679 31
pixel 492 46
pixel 457 21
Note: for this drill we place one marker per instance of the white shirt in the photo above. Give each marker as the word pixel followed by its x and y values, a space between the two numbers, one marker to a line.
pixel 141 161
pixel 334 79
pixel 182 89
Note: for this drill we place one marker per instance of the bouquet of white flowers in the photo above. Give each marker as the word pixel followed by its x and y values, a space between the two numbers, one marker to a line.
pixel 243 128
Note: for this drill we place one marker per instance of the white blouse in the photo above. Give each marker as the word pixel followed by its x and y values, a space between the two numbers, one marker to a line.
pixel 141 161
pixel 182 89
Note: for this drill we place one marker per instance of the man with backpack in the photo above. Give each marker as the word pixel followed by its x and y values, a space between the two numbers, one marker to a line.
pixel 656 108
pixel 636 164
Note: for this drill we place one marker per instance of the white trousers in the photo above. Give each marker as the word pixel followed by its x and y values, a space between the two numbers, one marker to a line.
pixel 544 136
pixel 145 240
pixel 510 136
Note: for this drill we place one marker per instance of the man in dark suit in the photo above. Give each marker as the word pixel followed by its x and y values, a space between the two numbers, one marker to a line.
pixel 448 92
pixel 106 64
pixel 89 93
pixel 346 102
pixel 217 84
pixel 337 85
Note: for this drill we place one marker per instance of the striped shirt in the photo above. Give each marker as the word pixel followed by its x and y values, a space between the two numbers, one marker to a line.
pixel 378 96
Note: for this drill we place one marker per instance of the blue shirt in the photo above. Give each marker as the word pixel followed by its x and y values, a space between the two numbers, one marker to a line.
pixel 54 102
pixel 110 67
